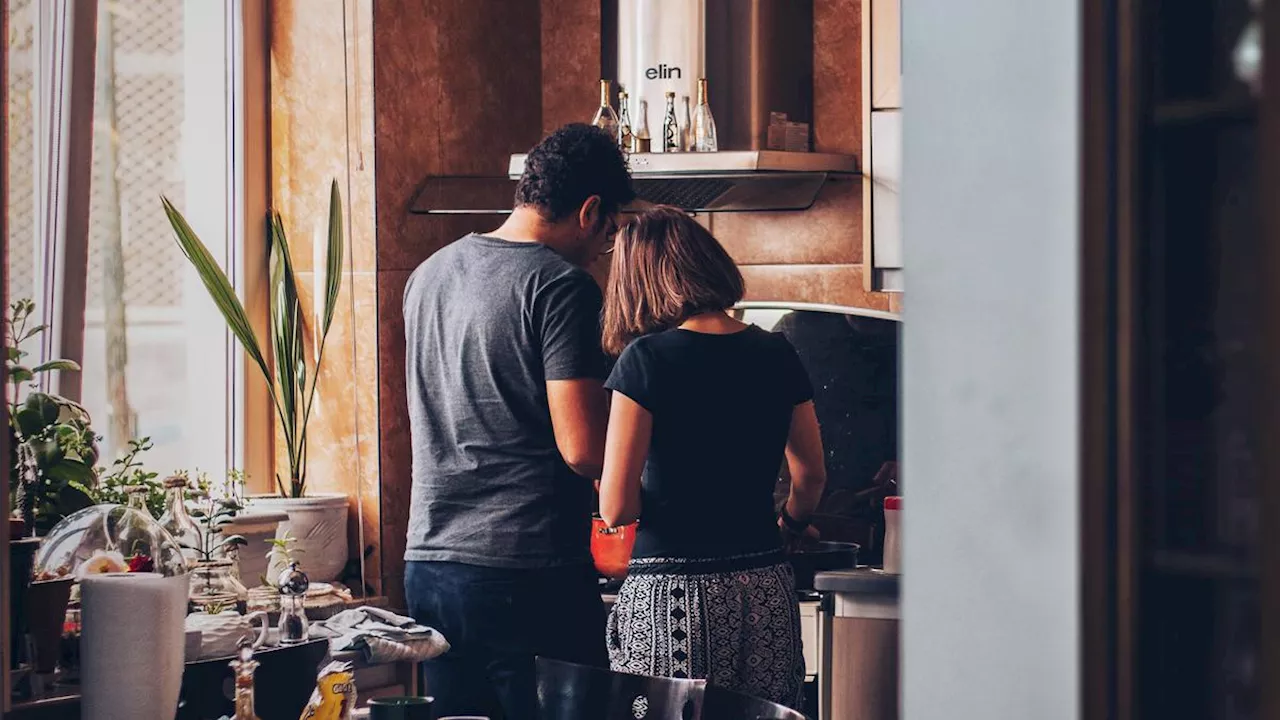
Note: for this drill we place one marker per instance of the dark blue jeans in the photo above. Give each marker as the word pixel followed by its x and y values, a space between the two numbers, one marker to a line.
pixel 497 621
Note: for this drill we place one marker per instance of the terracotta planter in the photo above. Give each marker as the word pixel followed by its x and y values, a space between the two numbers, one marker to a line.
pixel 319 522
pixel 46 613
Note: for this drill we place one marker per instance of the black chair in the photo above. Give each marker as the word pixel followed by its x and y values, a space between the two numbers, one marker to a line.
pixel 567 691
pixel 721 704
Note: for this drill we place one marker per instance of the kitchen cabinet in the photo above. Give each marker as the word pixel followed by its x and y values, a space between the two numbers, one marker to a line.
pixel 882 144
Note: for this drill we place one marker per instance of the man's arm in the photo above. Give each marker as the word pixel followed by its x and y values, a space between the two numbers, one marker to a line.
pixel 579 417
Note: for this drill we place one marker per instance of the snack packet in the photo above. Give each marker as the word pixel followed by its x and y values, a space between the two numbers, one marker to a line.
pixel 335 695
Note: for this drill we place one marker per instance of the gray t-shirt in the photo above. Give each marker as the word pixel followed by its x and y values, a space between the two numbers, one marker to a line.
pixel 487 323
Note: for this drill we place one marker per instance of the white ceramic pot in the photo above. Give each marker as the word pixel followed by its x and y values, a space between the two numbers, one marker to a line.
pixel 258 528
pixel 220 633
pixel 319 522
pixel 131 646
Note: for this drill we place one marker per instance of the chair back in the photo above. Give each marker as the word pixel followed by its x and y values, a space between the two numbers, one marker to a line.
pixel 568 691
pixel 721 704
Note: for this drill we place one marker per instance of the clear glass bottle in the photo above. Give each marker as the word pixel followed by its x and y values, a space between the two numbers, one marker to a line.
pixel 178 521
pixel 137 495
pixel 624 123
pixel 640 142
pixel 243 667
pixel 605 117
pixel 686 127
pixel 670 126
pixel 704 126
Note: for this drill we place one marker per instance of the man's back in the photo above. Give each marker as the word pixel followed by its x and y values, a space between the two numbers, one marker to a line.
pixel 488 323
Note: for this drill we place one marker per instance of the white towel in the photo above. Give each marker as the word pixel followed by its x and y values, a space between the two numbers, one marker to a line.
pixel 382 636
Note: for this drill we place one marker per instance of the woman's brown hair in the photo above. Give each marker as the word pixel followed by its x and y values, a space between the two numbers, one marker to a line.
pixel 666 269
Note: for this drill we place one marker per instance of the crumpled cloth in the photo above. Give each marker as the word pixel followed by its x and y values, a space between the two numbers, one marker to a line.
pixel 382 636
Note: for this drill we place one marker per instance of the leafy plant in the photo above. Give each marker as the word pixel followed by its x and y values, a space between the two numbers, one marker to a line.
pixel 291 394
pixel 54 446
pixel 127 472
pixel 213 514
pixel 280 555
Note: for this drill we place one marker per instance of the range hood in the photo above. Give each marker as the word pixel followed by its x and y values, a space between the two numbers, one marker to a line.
pixel 757 56
pixel 730 181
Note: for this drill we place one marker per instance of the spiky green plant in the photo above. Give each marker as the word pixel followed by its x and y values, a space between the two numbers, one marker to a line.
pixel 293 387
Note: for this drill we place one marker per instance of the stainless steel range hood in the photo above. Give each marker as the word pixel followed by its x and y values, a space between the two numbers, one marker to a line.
pixel 757 56
pixel 730 181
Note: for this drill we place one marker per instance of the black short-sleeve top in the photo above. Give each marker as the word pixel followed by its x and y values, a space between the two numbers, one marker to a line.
pixel 721 407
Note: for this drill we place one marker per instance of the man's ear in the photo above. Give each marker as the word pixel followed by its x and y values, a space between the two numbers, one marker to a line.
pixel 589 213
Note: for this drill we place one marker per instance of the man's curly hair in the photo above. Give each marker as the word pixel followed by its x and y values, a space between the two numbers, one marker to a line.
pixel 569 166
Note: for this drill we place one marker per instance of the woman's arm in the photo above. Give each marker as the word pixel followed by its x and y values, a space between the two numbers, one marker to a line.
pixel 805 462
pixel 625 450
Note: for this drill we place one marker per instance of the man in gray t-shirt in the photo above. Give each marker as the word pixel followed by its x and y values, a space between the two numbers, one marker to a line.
pixel 507 414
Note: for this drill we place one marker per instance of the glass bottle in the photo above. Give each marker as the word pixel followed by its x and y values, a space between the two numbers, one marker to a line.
pixel 670 126
pixel 137 495
pixel 704 126
pixel 686 127
pixel 178 521
pixel 243 667
pixel 640 142
pixel 606 118
pixel 624 123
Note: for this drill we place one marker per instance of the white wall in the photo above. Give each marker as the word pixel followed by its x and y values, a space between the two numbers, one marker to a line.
pixel 990 206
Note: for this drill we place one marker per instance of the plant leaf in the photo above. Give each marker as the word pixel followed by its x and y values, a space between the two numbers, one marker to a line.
pixel 286 335
pixel 71 471
pixel 333 259
pixel 71 365
pixel 32 332
pixel 20 374
pixel 219 287
pixel 29 421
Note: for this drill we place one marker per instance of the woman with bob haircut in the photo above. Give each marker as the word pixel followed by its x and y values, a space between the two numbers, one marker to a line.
pixel 705 409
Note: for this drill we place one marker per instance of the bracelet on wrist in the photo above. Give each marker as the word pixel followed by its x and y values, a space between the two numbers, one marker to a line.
pixel 794 525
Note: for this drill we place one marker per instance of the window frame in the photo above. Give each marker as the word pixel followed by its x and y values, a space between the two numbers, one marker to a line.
pixel 227 169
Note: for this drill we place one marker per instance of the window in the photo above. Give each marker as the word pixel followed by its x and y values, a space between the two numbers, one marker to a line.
pixel 157 360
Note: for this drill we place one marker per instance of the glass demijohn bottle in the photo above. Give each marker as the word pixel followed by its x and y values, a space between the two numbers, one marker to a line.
pixel 178 521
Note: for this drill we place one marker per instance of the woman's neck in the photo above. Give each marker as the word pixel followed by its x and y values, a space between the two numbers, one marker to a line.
pixel 715 322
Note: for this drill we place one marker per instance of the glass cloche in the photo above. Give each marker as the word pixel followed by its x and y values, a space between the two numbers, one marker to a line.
pixel 108 538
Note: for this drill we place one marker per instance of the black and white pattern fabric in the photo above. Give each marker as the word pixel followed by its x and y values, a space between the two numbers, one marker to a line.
pixel 733 622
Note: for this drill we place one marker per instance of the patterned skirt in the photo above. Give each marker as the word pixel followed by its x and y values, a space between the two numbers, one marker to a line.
pixel 733 622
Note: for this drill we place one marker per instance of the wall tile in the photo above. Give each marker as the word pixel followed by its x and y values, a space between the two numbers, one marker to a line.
pixel 837 76
pixel 834 284
pixel 570 61
pixel 828 232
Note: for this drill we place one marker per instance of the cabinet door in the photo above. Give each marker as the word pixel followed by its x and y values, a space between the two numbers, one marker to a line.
pixel 886 54
pixel 886 208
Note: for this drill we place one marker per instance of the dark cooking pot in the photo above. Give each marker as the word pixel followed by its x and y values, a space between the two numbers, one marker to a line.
pixel 814 558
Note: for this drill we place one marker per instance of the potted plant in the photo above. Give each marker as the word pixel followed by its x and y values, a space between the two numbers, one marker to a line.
pixel 318 521
pixel 213 578
pixel 51 465
pixel 260 528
